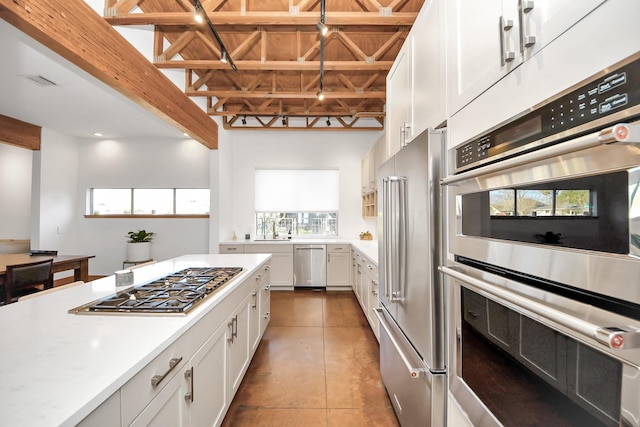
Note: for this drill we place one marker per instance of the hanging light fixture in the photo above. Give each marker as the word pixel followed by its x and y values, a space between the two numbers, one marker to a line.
pixel 224 53
pixel 320 93
pixel 284 121
pixel 328 122
pixel 244 120
pixel 322 28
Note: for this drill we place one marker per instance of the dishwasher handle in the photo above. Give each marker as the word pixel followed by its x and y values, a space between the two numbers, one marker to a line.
pixel 307 247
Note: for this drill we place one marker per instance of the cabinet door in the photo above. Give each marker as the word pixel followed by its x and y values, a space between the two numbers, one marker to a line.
pixel 231 248
pixel 238 345
pixel 209 387
pixel 544 20
pixel 169 408
pixel 254 317
pixel 265 310
pixel 475 58
pixel 364 174
pixel 398 95
pixel 428 70
pixel 338 268
pixel 374 302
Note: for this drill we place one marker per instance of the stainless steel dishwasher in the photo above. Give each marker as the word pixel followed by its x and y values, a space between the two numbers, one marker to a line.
pixel 309 266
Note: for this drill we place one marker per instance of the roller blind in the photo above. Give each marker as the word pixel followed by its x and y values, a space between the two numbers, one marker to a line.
pixel 296 190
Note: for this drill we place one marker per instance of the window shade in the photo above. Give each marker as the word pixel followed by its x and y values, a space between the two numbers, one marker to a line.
pixel 295 190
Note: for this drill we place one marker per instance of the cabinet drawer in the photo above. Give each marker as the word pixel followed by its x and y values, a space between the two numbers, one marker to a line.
pixel 139 390
pixel 338 248
pixel 266 248
pixel 231 249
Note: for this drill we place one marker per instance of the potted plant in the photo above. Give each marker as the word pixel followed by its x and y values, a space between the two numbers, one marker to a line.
pixel 139 245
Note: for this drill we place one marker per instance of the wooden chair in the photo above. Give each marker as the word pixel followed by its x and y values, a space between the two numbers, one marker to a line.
pixel 27 276
pixel 48 291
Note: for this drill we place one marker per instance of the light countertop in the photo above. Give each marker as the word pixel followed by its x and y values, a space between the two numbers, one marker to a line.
pixel 56 367
pixel 368 247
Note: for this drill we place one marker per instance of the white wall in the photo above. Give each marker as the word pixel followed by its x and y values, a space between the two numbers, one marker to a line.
pixel 54 194
pixel 142 163
pixel 341 150
pixel 15 192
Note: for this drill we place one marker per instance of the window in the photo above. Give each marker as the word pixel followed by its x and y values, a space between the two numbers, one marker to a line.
pixel 541 203
pixel 149 201
pixel 296 202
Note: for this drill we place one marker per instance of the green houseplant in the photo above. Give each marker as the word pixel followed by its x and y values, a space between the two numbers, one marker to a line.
pixel 139 245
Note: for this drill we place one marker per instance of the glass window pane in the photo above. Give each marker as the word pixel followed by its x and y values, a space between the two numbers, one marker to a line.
pixel 534 202
pixel 502 202
pixel 111 201
pixel 153 201
pixel 192 201
pixel 573 203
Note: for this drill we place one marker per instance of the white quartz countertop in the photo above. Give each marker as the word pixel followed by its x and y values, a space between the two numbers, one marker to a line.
pixel 367 247
pixel 56 367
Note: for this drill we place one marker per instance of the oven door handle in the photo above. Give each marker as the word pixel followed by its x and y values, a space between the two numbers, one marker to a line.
pixel 622 132
pixel 610 336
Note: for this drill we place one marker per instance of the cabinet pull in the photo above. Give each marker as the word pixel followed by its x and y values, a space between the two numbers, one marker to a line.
pixel 266 315
pixel 232 249
pixel 505 55
pixel 157 379
pixel 189 376
pixel 268 267
pixel 255 300
pixel 258 277
pixel 328 257
pixel 230 325
pixel 267 288
pixel 524 7
pixel 234 332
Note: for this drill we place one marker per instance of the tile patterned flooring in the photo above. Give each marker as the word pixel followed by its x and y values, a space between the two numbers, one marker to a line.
pixel 317 365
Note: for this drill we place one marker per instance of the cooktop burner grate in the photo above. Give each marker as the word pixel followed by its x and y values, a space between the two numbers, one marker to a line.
pixel 177 293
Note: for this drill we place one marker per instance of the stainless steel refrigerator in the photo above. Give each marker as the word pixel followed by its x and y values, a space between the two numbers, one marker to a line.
pixel 411 313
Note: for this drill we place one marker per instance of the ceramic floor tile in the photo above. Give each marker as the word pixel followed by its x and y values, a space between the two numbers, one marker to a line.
pixel 369 417
pixel 352 375
pixel 275 417
pixel 317 365
pixel 342 309
pixel 298 308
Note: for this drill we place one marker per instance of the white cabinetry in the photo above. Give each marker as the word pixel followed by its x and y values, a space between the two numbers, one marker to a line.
pixel 398 96
pixel 415 83
pixel 281 261
pixel 365 286
pixel 231 248
pixel 193 381
pixel 491 38
pixel 338 266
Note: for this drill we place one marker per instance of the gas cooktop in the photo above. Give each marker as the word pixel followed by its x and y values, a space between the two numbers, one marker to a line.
pixel 176 293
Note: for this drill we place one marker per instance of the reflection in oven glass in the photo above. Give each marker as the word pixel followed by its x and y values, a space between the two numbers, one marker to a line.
pixel 530 375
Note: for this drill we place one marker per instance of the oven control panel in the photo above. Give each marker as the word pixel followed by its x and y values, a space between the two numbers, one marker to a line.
pixel 595 103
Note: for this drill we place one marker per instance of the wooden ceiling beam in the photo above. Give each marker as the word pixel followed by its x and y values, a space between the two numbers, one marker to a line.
pixel 286 95
pixel 268 19
pixel 208 64
pixel 19 133
pixel 75 31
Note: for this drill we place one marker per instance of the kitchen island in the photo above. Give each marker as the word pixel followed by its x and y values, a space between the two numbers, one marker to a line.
pixel 57 368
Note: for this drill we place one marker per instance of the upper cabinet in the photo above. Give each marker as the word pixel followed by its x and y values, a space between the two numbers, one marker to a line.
pixel 491 38
pixel 415 83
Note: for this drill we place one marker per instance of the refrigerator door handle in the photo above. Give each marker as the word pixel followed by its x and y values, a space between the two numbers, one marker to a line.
pixel 395 236
pixel 414 372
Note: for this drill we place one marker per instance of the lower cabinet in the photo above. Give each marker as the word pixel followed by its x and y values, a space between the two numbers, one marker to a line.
pixel 338 266
pixel 365 286
pixel 193 381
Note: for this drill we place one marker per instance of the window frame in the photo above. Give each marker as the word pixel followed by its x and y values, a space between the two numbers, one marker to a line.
pixel 91 210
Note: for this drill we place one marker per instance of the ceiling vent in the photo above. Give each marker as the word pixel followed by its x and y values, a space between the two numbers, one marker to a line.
pixel 39 80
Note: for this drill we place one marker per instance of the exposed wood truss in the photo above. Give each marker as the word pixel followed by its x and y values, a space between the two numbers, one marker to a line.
pixel 276 47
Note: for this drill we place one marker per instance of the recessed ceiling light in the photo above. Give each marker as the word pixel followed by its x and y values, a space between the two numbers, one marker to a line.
pixel 97 134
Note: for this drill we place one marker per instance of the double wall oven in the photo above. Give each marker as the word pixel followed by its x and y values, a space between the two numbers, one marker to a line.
pixel 543 272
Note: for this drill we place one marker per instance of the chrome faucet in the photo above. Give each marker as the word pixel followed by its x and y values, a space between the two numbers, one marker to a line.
pixel 274 230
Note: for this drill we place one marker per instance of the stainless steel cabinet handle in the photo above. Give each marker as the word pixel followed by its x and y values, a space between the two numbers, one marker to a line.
pixel 505 55
pixel 232 249
pixel 268 267
pixel 328 257
pixel 189 376
pixel 526 40
pixel 267 288
pixel 258 277
pixel 255 300
pixel 157 379
pixel 266 315
pixel 234 329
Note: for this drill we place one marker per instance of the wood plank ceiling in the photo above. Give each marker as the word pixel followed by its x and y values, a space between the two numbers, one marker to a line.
pixel 276 48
